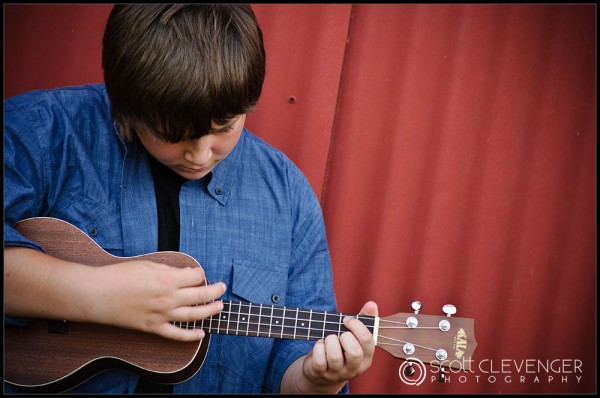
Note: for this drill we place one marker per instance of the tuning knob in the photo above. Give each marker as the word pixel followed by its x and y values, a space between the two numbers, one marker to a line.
pixel 442 377
pixel 449 309
pixel 409 371
pixel 416 306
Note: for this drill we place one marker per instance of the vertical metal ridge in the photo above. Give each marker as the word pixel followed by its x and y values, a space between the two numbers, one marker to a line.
pixel 331 146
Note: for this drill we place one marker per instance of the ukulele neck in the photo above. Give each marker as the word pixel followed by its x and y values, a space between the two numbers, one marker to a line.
pixel 263 320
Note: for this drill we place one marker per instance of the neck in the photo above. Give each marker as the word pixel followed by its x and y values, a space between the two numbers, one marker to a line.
pixel 263 320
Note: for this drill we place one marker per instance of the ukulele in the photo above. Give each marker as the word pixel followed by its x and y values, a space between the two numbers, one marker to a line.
pixel 56 355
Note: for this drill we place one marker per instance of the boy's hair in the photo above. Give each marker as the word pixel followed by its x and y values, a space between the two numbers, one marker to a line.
pixel 171 70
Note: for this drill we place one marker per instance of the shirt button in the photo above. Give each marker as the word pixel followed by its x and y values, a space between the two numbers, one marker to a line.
pixel 218 191
pixel 93 231
pixel 275 298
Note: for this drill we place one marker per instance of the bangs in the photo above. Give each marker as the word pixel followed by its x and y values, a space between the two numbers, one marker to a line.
pixel 185 68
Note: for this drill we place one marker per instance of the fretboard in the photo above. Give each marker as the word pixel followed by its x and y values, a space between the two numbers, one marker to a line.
pixel 263 320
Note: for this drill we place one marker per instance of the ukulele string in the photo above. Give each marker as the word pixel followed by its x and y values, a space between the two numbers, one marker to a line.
pixel 405 326
pixel 325 314
pixel 396 342
pixel 225 317
pixel 265 321
pixel 304 332
pixel 240 326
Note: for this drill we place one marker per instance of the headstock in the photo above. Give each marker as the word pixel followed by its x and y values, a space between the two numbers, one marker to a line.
pixel 443 341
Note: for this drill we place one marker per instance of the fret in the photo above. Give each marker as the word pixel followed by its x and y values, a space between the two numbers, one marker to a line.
pixel 317 325
pixel 303 324
pixel 369 321
pixel 254 320
pixel 215 321
pixel 187 324
pixel 289 323
pixel 277 322
pixel 218 316
pixel 334 324
pixel 262 320
pixel 309 324
pixel 296 323
pixel 224 316
pixel 264 327
pixel 202 324
pixel 233 321
pixel 207 324
pixel 245 315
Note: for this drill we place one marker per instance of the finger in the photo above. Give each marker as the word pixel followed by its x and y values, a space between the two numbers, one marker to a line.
pixel 182 277
pixel 318 357
pixel 200 294
pixel 353 351
pixel 369 309
pixel 334 353
pixel 357 328
pixel 195 313
pixel 361 332
pixel 362 335
pixel 191 277
pixel 176 332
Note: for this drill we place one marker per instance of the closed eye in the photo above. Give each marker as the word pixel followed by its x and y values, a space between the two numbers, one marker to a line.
pixel 224 129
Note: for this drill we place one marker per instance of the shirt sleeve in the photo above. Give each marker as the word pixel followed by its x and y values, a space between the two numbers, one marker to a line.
pixel 22 182
pixel 23 172
pixel 310 282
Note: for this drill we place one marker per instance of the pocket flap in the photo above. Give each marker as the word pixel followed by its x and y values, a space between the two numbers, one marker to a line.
pixel 258 284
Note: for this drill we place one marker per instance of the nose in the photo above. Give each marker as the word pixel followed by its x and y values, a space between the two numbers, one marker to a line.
pixel 199 151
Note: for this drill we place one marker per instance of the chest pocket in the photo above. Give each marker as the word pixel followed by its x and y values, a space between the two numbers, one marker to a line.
pixel 99 221
pixel 247 357
pixel 256 284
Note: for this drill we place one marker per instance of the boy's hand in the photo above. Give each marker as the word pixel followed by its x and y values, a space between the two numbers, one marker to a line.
pixel 138 294
pixel 149 296
pixel 335 360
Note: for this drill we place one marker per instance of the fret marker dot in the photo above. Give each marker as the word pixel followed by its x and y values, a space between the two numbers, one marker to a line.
pixel 276 321
pixel 243 318
pixel 302 323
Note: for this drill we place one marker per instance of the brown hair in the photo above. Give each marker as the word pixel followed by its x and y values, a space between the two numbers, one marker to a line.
pixel 173 69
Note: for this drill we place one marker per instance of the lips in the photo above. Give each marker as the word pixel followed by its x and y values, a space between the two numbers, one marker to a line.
pixel 198 170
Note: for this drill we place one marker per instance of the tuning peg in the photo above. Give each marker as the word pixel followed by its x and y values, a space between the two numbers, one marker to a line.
pixel 449 309
pixel 442 378
pixel 409 370
pixel 416 306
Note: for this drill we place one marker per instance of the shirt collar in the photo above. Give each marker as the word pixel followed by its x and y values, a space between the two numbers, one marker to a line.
pixel 223 174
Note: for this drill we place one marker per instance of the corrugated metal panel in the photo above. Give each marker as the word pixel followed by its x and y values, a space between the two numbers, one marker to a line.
pixel 50 45
pixel 463 171
pixel 305 49
pixel 454 151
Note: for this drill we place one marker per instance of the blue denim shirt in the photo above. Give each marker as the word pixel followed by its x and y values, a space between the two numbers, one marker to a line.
pixel 257 226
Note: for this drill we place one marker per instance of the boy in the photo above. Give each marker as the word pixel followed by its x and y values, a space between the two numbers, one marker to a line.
pixel 158 159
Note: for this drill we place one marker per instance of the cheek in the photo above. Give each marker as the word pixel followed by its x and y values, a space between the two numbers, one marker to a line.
pixel 225 144
pixel 166 154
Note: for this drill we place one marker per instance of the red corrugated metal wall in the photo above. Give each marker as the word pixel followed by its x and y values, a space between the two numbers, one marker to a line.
pixel 454 151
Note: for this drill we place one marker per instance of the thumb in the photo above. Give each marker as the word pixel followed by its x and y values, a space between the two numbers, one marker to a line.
pixel 369 309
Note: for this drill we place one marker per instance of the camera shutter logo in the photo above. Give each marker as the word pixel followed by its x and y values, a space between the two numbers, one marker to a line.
pixel 418 368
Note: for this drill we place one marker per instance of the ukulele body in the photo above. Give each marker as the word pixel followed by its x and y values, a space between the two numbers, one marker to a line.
pixel 85 349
